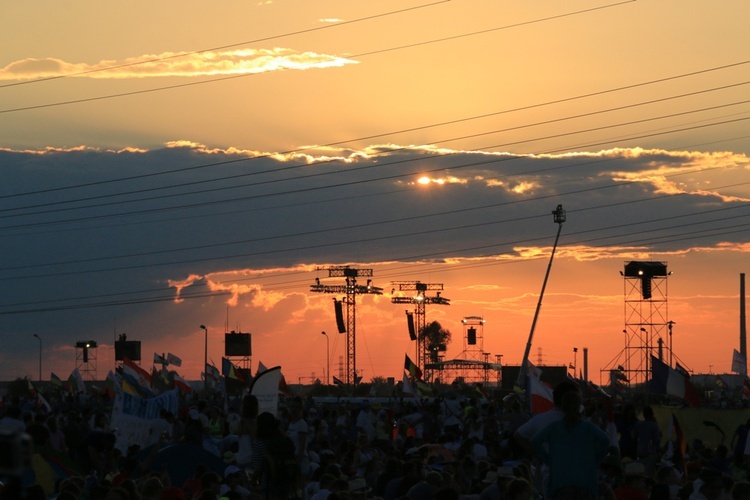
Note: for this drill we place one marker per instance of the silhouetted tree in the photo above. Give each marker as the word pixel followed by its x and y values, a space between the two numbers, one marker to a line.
pixel 435 337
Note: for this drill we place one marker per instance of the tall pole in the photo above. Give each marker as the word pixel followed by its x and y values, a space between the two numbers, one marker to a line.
pixel 40 356
pixel 205 357
pixel 328 360
pixel 559 218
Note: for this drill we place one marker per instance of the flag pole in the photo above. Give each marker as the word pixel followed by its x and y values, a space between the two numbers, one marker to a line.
pixel 558 217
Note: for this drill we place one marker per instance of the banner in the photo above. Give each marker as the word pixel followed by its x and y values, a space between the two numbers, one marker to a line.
pixel 265 387
pixel 132 415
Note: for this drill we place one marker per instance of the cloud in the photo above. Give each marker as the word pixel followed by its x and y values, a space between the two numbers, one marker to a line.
pixel 175 64
pixel 194 232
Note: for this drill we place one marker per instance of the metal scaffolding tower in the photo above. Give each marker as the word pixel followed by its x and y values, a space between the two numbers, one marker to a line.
pixel 420 301
pixel 351 289
pixel 647 326
pixel 86 358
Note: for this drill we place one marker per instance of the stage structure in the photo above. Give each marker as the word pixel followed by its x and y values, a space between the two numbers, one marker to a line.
pixel 86 359
pixel 347 325
pixel 648 330
pixel 417 321
pixel 473 364
pixel 238 349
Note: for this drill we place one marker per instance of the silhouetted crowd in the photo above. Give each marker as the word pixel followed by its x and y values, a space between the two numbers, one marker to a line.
pixel 470 448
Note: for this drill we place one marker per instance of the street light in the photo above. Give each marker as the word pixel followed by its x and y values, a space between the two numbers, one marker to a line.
pixel 328 360
pixel 40 356
pixel 205 357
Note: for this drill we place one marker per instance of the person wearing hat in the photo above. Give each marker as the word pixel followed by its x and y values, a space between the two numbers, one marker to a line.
pixel 358 488
pixel 636 486
pixel 497 481
pixel 234 480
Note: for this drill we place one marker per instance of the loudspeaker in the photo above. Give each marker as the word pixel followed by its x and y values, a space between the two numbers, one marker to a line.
pixel 340 324
pixel 237 344
pixel 471 336
pixel 410 324
pixel 130 349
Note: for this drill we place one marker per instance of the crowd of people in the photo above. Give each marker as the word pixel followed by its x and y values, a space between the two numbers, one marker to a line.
pixel 405 449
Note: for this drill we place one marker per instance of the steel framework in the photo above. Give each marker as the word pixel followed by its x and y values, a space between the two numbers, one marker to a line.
pixel 86 358
pixel 420 301
pixel 351 289
pixel 647 325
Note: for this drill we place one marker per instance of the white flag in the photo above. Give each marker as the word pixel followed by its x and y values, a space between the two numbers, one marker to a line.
pixel 739 363
pixel 173 360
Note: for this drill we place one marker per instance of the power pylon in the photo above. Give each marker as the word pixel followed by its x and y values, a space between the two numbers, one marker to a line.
pixel 420 300
pixel 351 289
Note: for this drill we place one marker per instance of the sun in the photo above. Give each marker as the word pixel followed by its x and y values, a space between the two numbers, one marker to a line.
pixel 426 181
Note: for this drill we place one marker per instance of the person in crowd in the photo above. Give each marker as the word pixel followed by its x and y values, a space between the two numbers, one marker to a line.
pixel 573 448
pixel 648 439
pixel 636 484
pixel 274 461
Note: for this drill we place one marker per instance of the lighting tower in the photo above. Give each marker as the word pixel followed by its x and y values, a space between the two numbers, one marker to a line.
pixel 351 289
pixel 420 300
pixel 646 316
pixel 86 358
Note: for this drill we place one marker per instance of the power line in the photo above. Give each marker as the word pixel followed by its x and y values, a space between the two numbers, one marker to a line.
pixel 402 131
pixel 321 174
pixel 228 46
pixel 364 54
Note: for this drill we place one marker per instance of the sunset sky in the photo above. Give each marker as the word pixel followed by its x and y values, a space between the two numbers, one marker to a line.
pixel 168 165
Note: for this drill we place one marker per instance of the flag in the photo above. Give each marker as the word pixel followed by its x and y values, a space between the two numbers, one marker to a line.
pixel 541 396
pixel 182 384
pixel 407 389
pixel 110 384
pixel 75 382
pixel 212 373
pixel 720 382
pixel 159 359
pixel 423 390
pixel 666 380
pixel 682 371
pixel 55 380
pixel 676 446
pixel 739 363
pixel 141 376
pixel 173 360
pixel 229 370
pixel 340 382
pixel 41 402
pixel 132 386
pixel 412 368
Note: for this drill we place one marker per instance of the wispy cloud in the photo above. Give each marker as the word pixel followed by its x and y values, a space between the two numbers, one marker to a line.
pixel 166 64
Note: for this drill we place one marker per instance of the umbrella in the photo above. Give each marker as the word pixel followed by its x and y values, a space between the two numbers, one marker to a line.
pixel 180 460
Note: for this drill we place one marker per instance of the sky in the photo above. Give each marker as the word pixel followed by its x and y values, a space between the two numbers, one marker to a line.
pixel 169 165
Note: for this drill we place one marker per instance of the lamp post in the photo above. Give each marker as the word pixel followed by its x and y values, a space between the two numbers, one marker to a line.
pixel 205 358
pixel 328 360
pixel 40 356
